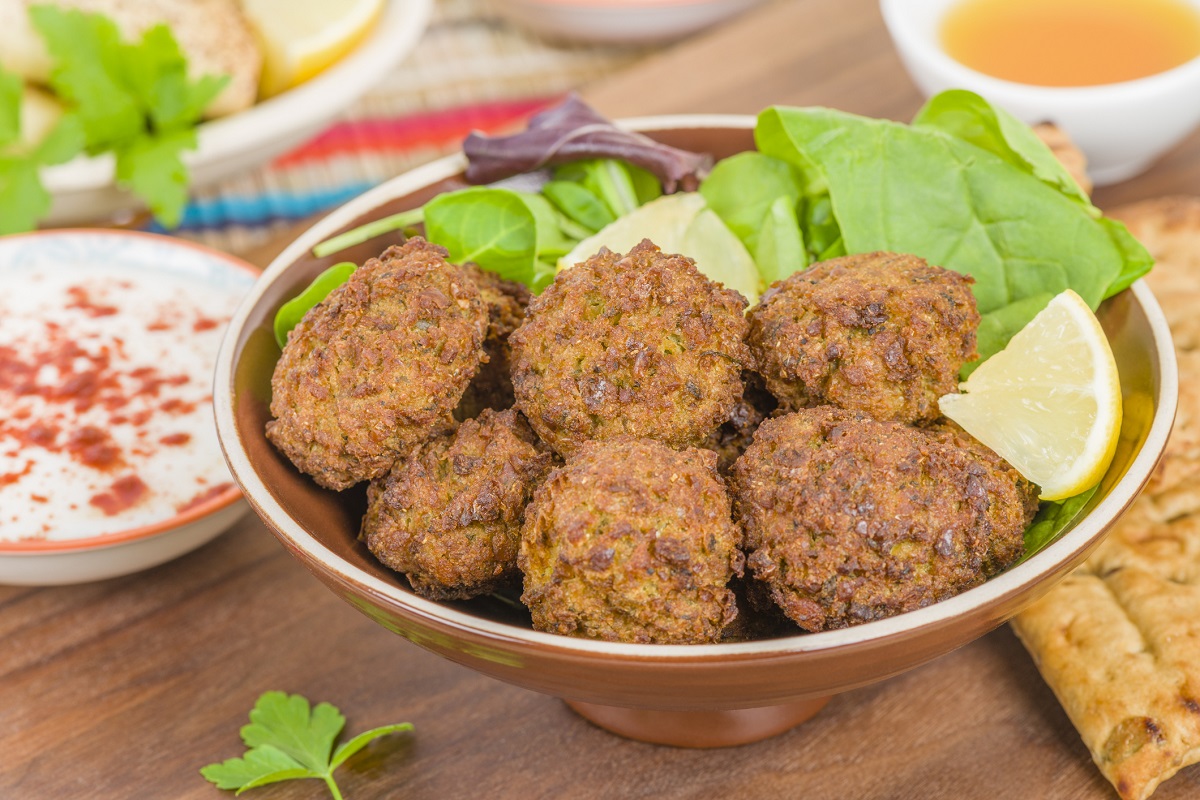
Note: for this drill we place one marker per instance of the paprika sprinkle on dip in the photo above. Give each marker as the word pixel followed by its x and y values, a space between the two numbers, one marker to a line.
pixel 106 399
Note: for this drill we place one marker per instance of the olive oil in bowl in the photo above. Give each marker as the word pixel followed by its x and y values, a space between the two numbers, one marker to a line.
pixel 1071 42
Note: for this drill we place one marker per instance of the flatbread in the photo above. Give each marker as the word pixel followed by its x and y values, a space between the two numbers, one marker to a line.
pixel 1169 227
pixel 213 34
pixel 1118 641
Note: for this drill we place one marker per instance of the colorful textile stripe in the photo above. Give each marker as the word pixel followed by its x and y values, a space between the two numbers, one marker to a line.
pixel 346 160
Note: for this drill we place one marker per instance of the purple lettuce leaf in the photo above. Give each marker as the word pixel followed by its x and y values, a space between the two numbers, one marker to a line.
pixel 572 131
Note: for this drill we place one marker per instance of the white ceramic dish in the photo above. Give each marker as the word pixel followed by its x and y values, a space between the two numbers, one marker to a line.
pixel 153 537
pixel 1121 127
pixel 619 21
pixel 84 190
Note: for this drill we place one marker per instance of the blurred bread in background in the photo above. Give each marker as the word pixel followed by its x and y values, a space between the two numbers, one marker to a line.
pixel 213 34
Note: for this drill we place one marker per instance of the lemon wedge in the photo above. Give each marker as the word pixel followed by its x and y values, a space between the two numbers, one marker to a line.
pixel 678 223
pixel 302 38
pixel 1049 402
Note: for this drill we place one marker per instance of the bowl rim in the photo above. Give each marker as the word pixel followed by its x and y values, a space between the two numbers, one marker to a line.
pixel 911 41
pixel 392 38
pixel 296 538
pixel 212 505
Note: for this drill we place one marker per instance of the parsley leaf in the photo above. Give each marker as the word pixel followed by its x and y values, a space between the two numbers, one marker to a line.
pixel 288 739
pixel 10 108
pixel 134 99
pixel 23 199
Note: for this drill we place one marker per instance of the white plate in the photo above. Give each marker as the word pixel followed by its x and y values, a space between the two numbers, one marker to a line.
pixel 60 561
pixel 84 190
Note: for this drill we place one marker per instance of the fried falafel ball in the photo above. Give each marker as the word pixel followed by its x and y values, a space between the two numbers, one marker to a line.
pixel 636 345
pixel 449 514
pixel 378 366
pixel 632 541
pixel 949 432
pixel 849 519
pixel 492 385
pixel 876 332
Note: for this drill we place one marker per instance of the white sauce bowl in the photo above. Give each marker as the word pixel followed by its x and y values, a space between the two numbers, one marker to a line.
pixel 1121 127
pixel 139 316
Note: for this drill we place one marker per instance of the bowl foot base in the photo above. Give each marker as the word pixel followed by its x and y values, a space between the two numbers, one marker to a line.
pixel 699 728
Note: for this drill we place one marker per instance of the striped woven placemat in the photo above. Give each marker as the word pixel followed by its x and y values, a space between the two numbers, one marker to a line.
pixel 472 70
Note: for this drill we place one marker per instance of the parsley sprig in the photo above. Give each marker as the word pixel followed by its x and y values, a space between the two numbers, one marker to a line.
pixel 288 740
pixel 133 99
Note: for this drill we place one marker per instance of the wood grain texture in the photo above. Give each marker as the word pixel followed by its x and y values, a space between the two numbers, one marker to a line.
pixel 123 689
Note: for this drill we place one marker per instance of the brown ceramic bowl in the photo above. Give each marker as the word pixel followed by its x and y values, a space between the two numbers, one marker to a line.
pixel 698 695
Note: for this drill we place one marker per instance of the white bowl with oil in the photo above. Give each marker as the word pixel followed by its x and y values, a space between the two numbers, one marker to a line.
pixel 1122 127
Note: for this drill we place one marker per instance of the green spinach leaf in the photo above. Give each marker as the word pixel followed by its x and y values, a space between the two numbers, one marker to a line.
pixel 290 313
pixel 969 117
pixel 920 191
pixel 1052 519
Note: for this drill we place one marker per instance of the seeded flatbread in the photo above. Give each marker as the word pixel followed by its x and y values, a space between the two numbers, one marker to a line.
pixel 1170 229
pixel 1118 641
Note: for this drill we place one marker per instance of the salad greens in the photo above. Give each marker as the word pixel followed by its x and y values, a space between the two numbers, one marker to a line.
pixel 289 740
pixel 965 186
pixel 570 132
pixel 515 234
pixel 290 313
pixel 134 100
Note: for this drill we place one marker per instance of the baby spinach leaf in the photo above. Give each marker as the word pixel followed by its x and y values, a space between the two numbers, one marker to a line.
pixel 290 313
pixel 514 234
pixel 969 117
pixel 493 228
pixel 1052 519
pixel 920 191
pixel 1138 260
pixel 743 188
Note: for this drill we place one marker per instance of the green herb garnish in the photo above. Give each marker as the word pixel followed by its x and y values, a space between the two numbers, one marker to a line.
pixel 131 99
pixel 289 740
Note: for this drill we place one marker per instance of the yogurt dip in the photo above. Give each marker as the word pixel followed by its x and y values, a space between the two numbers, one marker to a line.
pixel 106 393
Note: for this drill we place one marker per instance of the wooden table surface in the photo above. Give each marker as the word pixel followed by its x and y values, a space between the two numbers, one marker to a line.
pixel 123 689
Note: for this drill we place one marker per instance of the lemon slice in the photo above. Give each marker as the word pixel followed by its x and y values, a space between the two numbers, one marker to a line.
pixel 1050 402
pixel 301 38
pixel 678 223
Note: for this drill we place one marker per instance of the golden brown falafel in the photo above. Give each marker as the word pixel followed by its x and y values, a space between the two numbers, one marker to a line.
pixel 877 332
pixel 634 345
pixel 849 519
pixel 492 385
pixel 449 514
pixel 632 541
pixel 378 366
